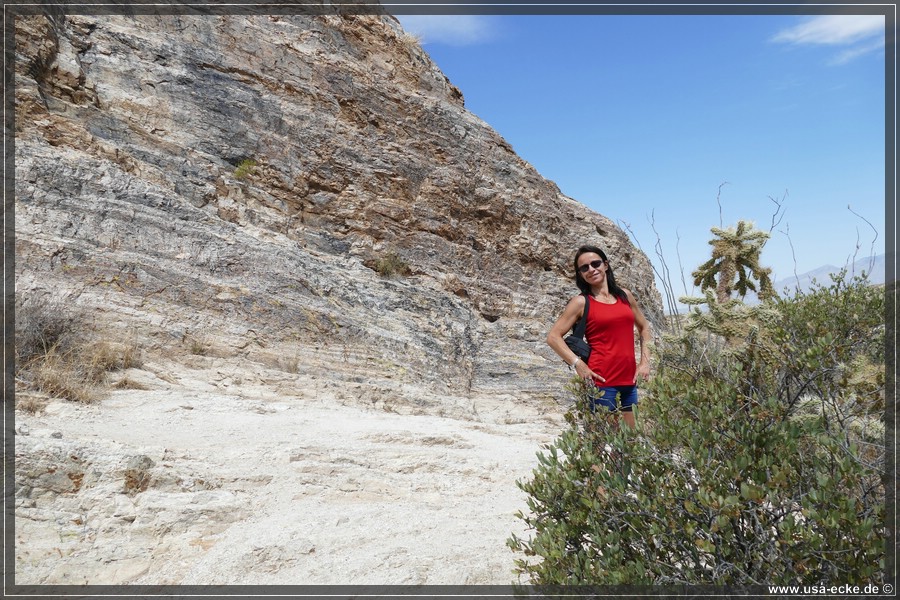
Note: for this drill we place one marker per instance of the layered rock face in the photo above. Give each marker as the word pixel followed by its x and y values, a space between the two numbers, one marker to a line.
pixel 309 238
pixel 130 131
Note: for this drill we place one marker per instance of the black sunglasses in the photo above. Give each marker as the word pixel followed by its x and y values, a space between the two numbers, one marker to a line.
pixel 594 263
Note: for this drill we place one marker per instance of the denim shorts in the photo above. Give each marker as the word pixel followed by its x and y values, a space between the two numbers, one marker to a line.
pixel 606 396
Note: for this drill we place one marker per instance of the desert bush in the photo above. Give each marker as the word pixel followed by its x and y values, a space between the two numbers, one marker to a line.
pixel 833 343
pixel 58 355
pixel 44 323
pixel 748 469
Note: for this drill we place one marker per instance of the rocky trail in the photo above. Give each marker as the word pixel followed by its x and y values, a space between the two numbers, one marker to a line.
pixel 221 473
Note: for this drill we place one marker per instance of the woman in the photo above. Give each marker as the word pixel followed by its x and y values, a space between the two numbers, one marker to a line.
pixel 612 316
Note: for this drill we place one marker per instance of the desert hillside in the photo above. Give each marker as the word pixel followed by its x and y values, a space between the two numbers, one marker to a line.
pixel 335 283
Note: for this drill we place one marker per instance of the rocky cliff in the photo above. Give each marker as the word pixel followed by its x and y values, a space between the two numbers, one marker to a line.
pixel 295 203
pixel 129 134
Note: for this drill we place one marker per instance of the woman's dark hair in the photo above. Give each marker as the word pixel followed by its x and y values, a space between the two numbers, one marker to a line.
pixel 583 285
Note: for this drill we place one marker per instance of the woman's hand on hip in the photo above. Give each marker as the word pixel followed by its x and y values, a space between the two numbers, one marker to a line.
pixel 583 371
pixel 643 372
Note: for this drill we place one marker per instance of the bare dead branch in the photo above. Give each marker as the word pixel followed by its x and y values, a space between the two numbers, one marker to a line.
pixel 787 233
pixel 680 265
pixel 872 247
pixel 670 293
pixel 719 202
pixel 667 285
pixel 779 211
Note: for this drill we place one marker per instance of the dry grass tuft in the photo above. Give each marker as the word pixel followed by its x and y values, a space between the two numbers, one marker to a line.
pixel 101 357
pixel 30 404
pixel 127 383
pixel 411 41
pixel 55 375
pixel 199 346
pixel 57 356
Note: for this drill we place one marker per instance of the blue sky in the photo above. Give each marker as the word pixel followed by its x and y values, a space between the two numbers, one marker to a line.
pixel 654 116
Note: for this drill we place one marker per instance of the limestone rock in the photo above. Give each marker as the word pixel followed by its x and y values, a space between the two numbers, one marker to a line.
pixel 298 222
pixel 129 135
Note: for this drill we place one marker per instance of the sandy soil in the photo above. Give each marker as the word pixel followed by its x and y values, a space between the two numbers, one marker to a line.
pixel 252 476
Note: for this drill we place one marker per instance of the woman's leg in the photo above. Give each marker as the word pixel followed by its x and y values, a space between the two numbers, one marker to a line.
pixel 628 400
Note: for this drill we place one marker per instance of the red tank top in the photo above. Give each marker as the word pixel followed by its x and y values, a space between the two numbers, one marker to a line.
pixel 610 332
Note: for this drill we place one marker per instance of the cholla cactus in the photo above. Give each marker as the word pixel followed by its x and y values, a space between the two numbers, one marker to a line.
pixel 736 252
pixel 738 324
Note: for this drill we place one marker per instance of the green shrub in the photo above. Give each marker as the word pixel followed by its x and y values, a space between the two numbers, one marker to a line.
pixel 833 342
pixel 757 459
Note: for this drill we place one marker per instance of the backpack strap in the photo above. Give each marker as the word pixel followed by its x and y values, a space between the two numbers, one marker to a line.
pixel 578 331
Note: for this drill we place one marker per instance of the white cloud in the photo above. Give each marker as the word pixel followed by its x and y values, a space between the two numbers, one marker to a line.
pixel 455 30
pixel 861 34
pixel 857 51
pixel 834 30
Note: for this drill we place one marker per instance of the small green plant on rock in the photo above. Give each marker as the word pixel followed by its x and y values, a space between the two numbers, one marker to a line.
pixel 245 168
pixel 392 264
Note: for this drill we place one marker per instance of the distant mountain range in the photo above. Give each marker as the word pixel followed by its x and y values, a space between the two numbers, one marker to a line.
pixel 873 265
